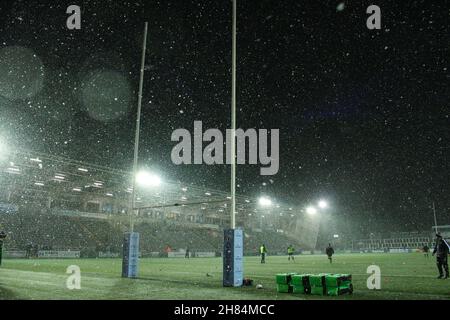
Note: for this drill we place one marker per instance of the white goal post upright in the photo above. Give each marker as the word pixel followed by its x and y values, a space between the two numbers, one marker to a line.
pixel 233 250
pixel 137 133
pixel 130 258
pixel 233 123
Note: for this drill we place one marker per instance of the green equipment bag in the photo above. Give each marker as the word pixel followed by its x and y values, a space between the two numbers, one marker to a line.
pixel 300 283
pixel 283 281
pixel 338 284
pixel 318 291
pixel 284 278
pixel 340 290
pixel 338 280
pixel 318 284
pixel 284 288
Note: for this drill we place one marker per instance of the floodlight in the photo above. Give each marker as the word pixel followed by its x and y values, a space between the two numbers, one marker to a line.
pixel 265 202
pixel 323 204
pixel 311 211
pixel 148 179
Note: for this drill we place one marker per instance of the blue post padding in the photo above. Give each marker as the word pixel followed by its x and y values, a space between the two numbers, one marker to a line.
pixel 130 260
pixel 233 251
pixel 238 257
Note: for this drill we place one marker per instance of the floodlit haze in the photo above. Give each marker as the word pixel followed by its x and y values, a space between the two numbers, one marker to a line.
pixel 363 114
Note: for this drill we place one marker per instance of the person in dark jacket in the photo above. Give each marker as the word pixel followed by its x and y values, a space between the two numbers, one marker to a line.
pixel 441 250
pixel 329 251
pixel 426 251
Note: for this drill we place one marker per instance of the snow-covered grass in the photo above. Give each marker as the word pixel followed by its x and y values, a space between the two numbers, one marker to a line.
pixel 403 276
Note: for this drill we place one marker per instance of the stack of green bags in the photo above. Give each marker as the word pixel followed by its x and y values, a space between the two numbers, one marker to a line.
pixel 284 282
pixel 317 284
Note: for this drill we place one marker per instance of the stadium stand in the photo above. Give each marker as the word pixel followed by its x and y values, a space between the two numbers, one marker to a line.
pixel 399 241
pixel 47 231
pixel 58 203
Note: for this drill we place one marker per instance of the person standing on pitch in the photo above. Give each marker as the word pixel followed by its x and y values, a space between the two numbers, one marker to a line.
pixel 426 251
pixel 290 251
pixel 329 251
pixel 263 252
pixel 441 250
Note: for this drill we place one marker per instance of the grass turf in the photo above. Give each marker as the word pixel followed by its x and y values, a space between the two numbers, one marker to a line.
pixel 403 276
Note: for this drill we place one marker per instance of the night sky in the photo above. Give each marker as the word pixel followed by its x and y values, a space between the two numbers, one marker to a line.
pixel 363 114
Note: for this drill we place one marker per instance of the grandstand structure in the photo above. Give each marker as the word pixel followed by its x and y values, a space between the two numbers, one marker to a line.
pixel 397 241
pixel 56 202
pixel 444 230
